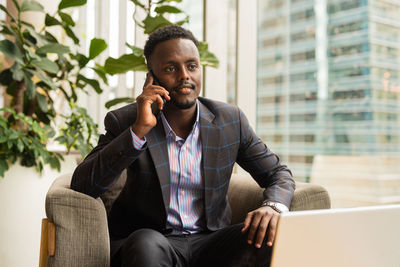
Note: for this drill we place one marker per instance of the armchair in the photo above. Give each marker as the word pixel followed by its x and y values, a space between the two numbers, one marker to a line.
pixel 80 221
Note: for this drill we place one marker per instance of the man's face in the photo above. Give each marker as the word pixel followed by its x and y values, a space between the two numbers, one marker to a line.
pixel 176 64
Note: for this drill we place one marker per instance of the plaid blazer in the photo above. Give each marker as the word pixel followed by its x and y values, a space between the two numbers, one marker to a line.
pixel 226 138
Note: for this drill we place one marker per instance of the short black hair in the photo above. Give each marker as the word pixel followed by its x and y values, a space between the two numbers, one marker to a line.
pixel 164 34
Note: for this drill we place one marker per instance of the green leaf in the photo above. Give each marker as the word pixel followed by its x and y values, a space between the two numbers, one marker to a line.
pixel 96 47
pixel 42 102
pixel 181 22
pixel 206 57
pixel 167 9
pixel 82 59
pixel 137 51
pixel 117 101
pixel 46 65
pixel 100 72
pixel 17 72
pixel 46 79
pixel 71 3
pixel 71 34
pixel 66 18
pixel 53 48
pixel 3 167
pixel 95 84
pixel 137 3
pixel 168 1
pixel 30 86
pixel 125 63
pixel 50 37
pixel 31 55
pixel 8 31
pixel 20 145
pixel 51 21
pixel 153 23
pixel 10 50
pixel 31 5
pixel 41 39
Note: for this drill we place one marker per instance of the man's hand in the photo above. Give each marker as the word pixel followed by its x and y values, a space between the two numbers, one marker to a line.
pixel 257 222
pixel 145 119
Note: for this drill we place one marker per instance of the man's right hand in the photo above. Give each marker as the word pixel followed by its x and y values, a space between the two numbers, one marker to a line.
pixel 145 120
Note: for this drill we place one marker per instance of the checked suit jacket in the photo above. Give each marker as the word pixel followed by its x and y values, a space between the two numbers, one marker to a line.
pixel 143 202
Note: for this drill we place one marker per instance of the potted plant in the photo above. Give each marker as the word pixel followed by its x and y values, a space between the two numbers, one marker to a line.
pixel 40 70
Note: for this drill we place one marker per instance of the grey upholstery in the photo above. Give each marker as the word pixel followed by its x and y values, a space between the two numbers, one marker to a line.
pixel 81 221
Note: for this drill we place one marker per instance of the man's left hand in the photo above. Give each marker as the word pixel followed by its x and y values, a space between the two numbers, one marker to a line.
pixel 258 222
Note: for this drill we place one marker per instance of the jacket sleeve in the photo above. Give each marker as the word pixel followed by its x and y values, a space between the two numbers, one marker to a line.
pixel 264 166
pixel 102 167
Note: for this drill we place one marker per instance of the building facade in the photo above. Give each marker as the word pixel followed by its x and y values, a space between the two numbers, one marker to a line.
pixel 328 80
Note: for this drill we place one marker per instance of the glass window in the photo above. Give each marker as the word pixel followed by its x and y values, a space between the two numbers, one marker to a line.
pixel 348 50
pixel 303 56
pixel 387 32
pixel 345 5
pixel 347 27
pixel 308 34
pixel 350 94
pixel 302 15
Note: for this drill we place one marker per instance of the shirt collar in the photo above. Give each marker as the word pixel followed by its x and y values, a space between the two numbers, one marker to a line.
pixel 167 128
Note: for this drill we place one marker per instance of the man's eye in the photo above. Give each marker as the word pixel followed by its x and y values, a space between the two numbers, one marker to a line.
pixel 170 69
pixel 192 66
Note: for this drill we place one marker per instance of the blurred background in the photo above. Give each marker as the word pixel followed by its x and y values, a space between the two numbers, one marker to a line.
pixel 319 81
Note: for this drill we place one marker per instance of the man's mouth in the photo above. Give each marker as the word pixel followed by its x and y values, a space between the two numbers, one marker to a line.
pixel 184 89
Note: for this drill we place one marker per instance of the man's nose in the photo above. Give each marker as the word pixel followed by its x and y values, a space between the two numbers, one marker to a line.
pixel 184 74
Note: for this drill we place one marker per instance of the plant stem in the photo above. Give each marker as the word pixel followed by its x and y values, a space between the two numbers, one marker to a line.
pixel 19 97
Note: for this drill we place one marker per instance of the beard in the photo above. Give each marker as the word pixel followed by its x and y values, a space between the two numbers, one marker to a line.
pixel 186 104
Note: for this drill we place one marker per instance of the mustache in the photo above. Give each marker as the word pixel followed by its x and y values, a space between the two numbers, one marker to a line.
pixel 183 85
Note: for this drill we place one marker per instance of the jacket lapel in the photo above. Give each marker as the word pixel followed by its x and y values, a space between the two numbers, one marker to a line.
pixel 210 134
pixel 157 145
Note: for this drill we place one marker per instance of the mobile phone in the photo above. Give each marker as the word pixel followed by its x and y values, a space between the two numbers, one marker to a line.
pixel 154 106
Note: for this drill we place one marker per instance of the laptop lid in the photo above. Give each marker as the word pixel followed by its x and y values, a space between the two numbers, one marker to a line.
pixel 352 237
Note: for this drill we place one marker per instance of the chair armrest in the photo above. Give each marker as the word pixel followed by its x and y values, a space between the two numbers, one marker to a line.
pixel 310 197
pixel 245 195
pixel 81 226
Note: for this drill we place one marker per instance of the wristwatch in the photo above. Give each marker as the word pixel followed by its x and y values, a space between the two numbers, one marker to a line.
pixel 275 206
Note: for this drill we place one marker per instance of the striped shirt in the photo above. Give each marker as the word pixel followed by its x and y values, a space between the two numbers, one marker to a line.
pixel 186 208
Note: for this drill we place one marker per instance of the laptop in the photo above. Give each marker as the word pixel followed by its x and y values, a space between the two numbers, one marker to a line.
pixel 351 237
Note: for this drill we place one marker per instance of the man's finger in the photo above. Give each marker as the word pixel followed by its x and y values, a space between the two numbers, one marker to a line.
pixel 255 222
pixel 149 80
pixel 247 222
pixel 272 230
pixel 262 229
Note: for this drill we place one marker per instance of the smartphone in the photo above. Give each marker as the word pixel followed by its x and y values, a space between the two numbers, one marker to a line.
pixel 154 106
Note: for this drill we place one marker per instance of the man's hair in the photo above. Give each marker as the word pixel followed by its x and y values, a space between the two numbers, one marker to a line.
pixel 164 34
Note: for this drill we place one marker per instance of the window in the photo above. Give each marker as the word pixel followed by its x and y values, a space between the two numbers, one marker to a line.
pixel 303 56
pixel 308 34
pixel 347 27
pixel 302 15
pixel 352 116
pixel 350 94
pixel 348 50
pixel 345 5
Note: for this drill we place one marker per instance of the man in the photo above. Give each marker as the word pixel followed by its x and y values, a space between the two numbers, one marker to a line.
pixel 173 209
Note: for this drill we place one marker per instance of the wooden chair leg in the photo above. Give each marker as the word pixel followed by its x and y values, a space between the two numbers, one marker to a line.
pixel 47 242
